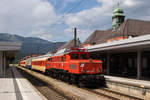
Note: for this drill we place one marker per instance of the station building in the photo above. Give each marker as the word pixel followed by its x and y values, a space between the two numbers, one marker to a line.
pixel 8 51
pixel 70 44
pixel 124 49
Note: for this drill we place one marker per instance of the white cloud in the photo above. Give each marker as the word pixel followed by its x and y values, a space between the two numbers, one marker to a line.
pixel 91 19
pixel 25 16
pixel 131 3
pixel 97 15
pixel 41 33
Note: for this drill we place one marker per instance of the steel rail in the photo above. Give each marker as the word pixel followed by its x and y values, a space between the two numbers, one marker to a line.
pixel 108 94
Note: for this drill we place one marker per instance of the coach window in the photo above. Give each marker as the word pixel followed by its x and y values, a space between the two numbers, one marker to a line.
pixel 49 59
pixel 83 56
pixel 74 56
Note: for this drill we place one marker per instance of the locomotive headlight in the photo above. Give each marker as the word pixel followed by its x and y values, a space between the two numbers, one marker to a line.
pixel 82 65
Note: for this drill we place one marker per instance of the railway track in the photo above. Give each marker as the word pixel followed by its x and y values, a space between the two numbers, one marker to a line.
pixel 101 93
pixel 113 95
pixel 47 90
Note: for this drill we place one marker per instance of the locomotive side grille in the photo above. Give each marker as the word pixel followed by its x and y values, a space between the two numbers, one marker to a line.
pixel 92 68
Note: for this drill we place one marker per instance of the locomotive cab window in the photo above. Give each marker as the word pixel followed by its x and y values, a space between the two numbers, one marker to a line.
pixel 62 59
pixel 48 59
pixel 83 56
pixel 74 56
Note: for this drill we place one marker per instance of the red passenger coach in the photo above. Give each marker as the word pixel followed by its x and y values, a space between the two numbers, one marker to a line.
pixel 39 63
pixel 23 63
pixel 75 66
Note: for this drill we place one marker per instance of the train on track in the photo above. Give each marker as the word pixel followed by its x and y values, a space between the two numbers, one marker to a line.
pixel 72 65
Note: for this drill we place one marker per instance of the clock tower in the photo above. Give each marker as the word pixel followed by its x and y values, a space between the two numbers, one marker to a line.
pixel 117 18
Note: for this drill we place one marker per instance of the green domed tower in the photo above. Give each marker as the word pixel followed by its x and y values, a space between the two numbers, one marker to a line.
pixel 117 18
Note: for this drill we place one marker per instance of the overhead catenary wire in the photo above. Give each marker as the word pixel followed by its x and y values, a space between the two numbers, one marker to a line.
pixel 69 11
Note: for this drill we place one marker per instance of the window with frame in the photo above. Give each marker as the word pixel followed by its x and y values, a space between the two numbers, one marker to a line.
pixel 83 56
pixel 74 56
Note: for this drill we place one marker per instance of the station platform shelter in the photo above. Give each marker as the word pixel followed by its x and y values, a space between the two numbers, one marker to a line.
pixel 127 58
pixel 8 51
pixel 13 85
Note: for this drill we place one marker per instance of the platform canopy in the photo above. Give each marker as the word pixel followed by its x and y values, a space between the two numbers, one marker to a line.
pixel 10 46
pixel 8 51
pixel 138 45
pixel 135 43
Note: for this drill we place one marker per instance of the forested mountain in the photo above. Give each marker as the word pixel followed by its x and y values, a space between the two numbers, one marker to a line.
pixel 31 45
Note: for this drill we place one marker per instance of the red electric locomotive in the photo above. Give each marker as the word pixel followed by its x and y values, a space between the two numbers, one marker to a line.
pixel 75 66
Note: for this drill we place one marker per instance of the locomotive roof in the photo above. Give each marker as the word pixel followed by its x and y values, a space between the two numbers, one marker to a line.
pixel 68 50
pixel 60 52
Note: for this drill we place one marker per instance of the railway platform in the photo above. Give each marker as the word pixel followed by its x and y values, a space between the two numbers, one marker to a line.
pixel 129 81
pixel 138 88
pixel 15 87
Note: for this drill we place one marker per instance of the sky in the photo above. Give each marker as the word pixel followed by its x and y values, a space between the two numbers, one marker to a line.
pixel 54 20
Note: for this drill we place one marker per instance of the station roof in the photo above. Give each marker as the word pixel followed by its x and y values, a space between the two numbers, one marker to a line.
pixel 10 46
pixel 135 43
pixel 130 27
pixel 70 44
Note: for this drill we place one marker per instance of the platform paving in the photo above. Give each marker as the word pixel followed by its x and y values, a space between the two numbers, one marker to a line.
pixel 129 81
pixel 15 87
pixel 133 87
